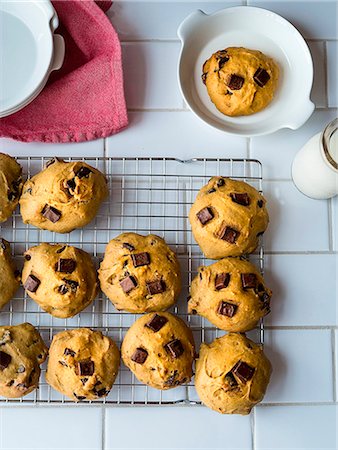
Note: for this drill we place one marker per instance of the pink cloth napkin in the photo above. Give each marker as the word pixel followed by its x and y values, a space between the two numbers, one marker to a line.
pixel 84 100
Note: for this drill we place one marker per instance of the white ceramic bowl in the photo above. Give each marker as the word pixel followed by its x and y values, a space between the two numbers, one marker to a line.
pixel 258 29
pixel 29 51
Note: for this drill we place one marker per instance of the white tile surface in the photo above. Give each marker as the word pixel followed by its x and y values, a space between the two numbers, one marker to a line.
pixel 314 19
pixel 318 93
pixel 302 366
pixel 150 75
pixel 297 223
pixel 336 361
pixel 277 151
pixel 178 134
pixel 177 428
pixel 332 72
pixel 157 20
pixel 51 428
pixel 296 428
pixel 304 290
pixel 334 205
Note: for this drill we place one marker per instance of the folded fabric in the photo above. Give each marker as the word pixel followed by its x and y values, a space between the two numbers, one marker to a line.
pixel 84 100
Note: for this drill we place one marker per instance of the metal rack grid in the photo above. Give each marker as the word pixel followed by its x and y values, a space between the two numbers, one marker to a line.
pixel 147 195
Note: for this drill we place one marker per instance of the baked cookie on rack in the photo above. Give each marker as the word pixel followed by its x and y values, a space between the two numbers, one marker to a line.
pixel 159 349
pixel 227 218
pixel 10 185
pixel 140 273
pixel 82 364
pixel 231 294
pixel 9 276
pixel 62 279
pixel 22 350
pixel 240 81
pixel 232 374
pixel 63 196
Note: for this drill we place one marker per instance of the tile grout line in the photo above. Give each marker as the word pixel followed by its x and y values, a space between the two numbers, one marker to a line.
pixel 103 428
pixel 330 224
pixel 334 368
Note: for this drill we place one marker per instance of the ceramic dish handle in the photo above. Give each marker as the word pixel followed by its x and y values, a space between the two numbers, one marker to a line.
pixel 59 52
pixel 190 23
pixel 301 116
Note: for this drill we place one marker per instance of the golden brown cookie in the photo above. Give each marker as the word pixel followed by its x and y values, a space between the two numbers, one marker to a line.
pixel 231 294
pixel 9 276
pixel 10 185
pixel 227 218
pixel 159 349
pixel 240 81
pixel 83 364
pixel 63 196
pixel 232 374
pixel 140 273
pixel 60 278
pixel 22 350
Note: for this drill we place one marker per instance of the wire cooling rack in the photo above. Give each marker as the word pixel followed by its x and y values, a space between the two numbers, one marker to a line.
pixel 147 195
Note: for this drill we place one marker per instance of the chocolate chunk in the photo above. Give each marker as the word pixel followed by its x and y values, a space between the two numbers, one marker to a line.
pixel 210 191
pixel 52 161
pixel 28 257
pixel 205 215
pixel 228 92
pixel 249 280
pixel 231 380
pixel 3 244
pixel 261 77
pixel 265 297
pixel 63 363
pixel 79 397
pixel 63 289
pixel 229 234
pixel 260 288
pixel 222 281
pixel 101 392
pixel 155 287
pixel 83 172
pixel 70 352
pixel 172 380
pixel 21 369
pixel 72 284
pixel 84 381
pixel 139 356
pixel 235 82
pixel 156 322
pixel 128 283
pixel 204 77
pixel 85 367
pixel 174 348
pixel 222 61
pixel 62 249
pixel 128 246
pixel 12 196
pixel 243 371
pixel 221 182
pixel 65 265
pixel 260 203
pixel 227 309
pixel 241 199
pixel 32 283
pixel 140 259
pixel 50 213
pixel 5 359
pixel 71 184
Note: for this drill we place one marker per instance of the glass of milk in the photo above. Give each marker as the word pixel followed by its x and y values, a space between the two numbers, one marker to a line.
pixel 315 167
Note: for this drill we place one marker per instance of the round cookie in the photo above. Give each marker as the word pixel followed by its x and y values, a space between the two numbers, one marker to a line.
pixel 227 218
pixel 140 273
pixel 240 81
pixel 83 364
pixel 63 196
pixel 10 185
pixel 60 278
pixel 159 349
pixel 22 350
pixel 9 276
pixel 232 374
pixel 231 294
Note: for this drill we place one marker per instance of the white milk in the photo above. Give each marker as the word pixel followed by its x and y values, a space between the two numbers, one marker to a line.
pixel 315 167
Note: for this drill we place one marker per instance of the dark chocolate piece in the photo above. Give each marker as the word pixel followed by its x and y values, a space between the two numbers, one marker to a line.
pixel 72 284
pixel 86 367
pixel 128 246
pixel 229 234
pixel 260 203
pixel 235 82
pixel 174 348
pixel 265 297
pixel 261 77
pixel 5 359
pixel 249 280
pixel 62 249
pixel 241 199
pixel 222 61
pixel 155 287
pixel 221 182
pixel 79 397
pixel 128 283
pixel 101 392
pixel 28 257
pixel 32 283
pixel 12 196
pixel 63 289
pixel 71 184
pixel 140 259
pixel 204 77
pixel 50 213
pixel 139 356
pixel 243 371
pixel 84 381
pixel 227 309
pixel 210 191
pixel 70 352
pixel 205 215
pixel 63 363
pixel 65 265
pixel 83 172
pixel 222 281
pixel 231 380
pixel 156 322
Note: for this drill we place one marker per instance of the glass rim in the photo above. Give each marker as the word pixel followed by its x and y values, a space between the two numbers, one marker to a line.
pixel 328 132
